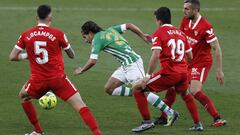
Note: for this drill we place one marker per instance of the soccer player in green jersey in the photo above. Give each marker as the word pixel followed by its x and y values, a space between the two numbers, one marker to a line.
pixel 111 41
pixel 131 69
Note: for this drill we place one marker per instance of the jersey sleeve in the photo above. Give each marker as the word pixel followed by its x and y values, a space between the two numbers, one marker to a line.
pixel 97 47
pixel 20 43
pixel 209 34
pixel 120 28
pixel 64 41
pixel 156 42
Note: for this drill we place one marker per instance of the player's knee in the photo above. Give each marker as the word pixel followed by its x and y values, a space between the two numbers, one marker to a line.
pixel 193 91
pixel 108 89
pixel 21 95
pixel 76 101
pixel 136 87
pixel 24 97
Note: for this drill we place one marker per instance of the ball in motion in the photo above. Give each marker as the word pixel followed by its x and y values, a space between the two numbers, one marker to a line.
pixel 48 101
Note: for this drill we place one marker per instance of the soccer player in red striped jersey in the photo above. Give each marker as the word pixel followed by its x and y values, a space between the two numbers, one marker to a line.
pixel 202 39
pixel 170 47
pixel 44 45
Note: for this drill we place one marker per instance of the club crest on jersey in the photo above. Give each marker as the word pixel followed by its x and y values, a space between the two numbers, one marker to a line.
pixel 195 32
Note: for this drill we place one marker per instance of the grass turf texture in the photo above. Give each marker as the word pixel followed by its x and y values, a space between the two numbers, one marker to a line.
pixel 116 115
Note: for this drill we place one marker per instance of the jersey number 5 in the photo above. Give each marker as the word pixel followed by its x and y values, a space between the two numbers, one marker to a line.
pixel 38 50
pixel 177 48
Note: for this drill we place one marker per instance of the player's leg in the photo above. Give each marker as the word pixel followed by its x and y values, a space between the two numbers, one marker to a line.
pixel 29 109
pixel 134 72
pixel 141 101
pixel 170 96
pixel 169 99
pixel 198 77
pixel 192 108
pixel 143 98
pixel 142 104
pixel 123 75
pixel 190 103
pixel 64 89
pixel 115 84
pixel 171 115
pixel 159 83
pixel 195 89
pixel 115 87
pixel 85 113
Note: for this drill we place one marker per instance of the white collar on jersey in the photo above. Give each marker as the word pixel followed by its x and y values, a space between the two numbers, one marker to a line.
pixel 166 25
pixel 196 23
pixel 42 24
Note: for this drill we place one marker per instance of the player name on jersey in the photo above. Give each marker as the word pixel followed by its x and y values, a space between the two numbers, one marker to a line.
pixel 171 32
pixel 41 33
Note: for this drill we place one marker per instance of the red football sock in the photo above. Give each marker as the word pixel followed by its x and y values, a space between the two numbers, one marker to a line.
pixel 192 107
pixel 207 103
pixel 31 113
pixel 89 119
pixel 169 99
pixel 142 104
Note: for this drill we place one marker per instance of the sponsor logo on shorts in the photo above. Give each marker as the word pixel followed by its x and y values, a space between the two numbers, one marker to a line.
pixel 195 72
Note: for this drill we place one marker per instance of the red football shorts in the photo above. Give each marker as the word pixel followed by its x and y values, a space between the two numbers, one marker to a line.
pixel 62 87
pixel 198 73
pixel 158 82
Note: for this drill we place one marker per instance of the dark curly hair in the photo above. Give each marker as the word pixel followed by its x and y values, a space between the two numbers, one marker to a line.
pixel 90 26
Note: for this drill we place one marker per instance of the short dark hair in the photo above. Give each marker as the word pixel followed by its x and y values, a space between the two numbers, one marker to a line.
pixel 90 26
pixel 43 11
pixel 195 3
pixel 163 14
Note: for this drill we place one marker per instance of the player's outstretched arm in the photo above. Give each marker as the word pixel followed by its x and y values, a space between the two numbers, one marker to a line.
pixel 146 37
pixel 87 66
pixel 218 55
pixel 70 52
pixel 16 55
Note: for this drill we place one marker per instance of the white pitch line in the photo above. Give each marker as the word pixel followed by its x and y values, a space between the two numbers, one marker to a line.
pixel 112 9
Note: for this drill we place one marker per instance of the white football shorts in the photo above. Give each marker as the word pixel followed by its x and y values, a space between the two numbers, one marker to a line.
pixel 130 73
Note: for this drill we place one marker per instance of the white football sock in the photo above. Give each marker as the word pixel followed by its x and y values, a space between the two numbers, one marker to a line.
pixel 122 91
pixel 158 103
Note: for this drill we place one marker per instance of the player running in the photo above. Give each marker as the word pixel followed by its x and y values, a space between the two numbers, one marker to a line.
pixel 111 41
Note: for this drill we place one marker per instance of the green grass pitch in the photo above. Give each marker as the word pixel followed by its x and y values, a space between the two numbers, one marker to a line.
pixel 116 115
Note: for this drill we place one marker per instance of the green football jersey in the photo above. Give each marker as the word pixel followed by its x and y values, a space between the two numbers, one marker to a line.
pixel 111 41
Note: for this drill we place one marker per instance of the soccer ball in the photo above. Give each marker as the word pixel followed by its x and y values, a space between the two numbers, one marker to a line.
pixel 48 101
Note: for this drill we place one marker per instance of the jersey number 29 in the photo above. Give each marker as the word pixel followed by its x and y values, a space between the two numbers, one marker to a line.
pixel 38 49
pixel 177 48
